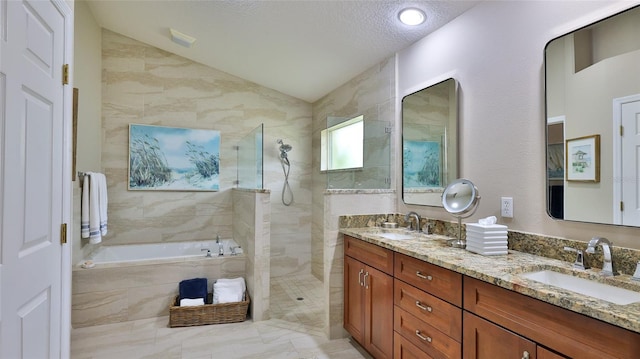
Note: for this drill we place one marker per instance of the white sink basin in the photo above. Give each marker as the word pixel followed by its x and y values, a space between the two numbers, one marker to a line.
pixel 395 236
pixel 587 287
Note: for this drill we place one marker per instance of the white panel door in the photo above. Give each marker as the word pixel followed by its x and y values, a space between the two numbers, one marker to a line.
pixel 630 181
pixel 31 178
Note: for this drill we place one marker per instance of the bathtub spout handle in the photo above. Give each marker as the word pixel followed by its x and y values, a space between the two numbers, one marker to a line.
pixel 206 249
pixel 233 250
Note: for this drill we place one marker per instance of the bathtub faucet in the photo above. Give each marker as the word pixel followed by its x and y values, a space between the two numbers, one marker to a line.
pixel 206 249
pixel 220 246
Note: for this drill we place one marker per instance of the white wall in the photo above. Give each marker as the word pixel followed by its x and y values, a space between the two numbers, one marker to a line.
pixel 495 51
pixel 87 74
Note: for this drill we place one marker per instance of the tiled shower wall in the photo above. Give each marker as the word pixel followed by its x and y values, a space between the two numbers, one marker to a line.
pixel 142 84
pixel 372 94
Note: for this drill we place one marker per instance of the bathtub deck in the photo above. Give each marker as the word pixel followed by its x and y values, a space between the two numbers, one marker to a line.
pixel 294 331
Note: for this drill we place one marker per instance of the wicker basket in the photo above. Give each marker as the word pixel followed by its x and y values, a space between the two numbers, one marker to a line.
pixel 208 313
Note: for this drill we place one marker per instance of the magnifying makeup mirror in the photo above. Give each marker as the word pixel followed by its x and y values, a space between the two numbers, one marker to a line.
pixel 461 199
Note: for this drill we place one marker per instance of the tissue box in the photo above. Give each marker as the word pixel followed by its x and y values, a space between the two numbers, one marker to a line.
pixel 487 240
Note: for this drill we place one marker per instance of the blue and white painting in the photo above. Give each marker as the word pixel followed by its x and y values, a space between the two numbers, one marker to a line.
pixel 421 161
pixel 173 159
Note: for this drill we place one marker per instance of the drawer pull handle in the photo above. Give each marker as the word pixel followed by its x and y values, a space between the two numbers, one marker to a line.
pixel 420 275
pixel 360 277
pixel 427 339
pixel 423 307
pixel 525 355
pixel 365 280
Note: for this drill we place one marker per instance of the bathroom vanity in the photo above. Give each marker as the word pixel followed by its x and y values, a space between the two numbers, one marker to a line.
pixel 449 303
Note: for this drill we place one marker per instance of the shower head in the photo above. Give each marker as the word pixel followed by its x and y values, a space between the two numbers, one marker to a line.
pixel 284 147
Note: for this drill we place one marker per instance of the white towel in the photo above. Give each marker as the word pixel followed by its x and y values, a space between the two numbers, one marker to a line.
pixel 188 302
pixel 94 207
pixel 228 290
pixel 239 280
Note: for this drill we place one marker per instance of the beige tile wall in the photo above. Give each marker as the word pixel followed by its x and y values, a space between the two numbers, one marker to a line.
pixel 145 85
pixel 252 226
pixel 106 294
pixel 373 93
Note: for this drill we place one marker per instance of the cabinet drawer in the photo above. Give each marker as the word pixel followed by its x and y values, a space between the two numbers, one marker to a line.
pixel 370 254
pixel 564 331
pixel 443 316
pixel 438 281
pixel 404 349
pixel 425 337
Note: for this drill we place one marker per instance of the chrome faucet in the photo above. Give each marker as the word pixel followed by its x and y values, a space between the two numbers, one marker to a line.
pixel 208 251
pixel 415 216
pixel 607 265
pixel 579 262
pixel 220 246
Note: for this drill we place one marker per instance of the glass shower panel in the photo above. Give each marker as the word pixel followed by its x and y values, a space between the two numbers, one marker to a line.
pixel 250 159
pixel 375 172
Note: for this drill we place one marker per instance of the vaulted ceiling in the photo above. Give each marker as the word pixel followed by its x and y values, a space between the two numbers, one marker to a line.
pixel 303 48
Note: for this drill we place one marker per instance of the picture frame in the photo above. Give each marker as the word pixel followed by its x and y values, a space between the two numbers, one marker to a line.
pixel 583 159
pixel 173 158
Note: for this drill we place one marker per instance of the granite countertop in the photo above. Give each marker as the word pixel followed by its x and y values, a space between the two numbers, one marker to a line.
pixel 504 271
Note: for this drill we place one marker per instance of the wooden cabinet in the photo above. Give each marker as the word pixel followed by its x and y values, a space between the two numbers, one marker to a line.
pixel 560 330
pixel 485 340
pixel 397 306
pixel 404 349
pixel 544 353
pixel 427 316
pixel 368 298
pixel 438 281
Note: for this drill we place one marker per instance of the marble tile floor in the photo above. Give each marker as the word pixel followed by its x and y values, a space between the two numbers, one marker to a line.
pixel 294 331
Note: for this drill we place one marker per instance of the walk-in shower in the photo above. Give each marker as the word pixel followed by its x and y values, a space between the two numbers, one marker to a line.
pixel 286 166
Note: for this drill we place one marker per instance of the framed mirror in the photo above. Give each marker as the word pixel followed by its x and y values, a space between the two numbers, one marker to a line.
pixel 429 143
pixel 592 80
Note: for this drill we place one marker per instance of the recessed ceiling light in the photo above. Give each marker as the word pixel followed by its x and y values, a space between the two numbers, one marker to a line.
pixel 412 16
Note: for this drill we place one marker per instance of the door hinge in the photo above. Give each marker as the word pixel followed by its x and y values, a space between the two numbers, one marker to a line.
pixel 63 233
pixel 621 206
pixel 621 130
pixel 65 74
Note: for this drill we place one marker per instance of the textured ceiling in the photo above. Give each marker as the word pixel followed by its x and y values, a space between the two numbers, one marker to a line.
pixel 302 48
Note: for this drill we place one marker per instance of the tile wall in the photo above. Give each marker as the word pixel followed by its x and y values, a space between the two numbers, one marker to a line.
pixel 142 84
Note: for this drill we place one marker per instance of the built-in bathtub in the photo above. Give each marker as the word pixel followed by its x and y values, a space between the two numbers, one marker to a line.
pixel 131 282
pixel 161 251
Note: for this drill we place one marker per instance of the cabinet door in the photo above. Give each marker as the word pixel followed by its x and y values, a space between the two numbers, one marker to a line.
pixel 379 313
pixel 485 340
pixel 354 298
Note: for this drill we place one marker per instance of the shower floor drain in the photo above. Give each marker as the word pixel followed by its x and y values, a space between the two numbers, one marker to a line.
pixel 300 298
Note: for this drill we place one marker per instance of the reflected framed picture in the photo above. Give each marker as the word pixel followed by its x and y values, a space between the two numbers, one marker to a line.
pixel 555 161
pixel 422 164
pixel 173 159
pixel 583 159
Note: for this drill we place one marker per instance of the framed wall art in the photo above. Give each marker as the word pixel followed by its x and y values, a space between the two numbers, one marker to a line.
pixel 173 158
pixel 583 159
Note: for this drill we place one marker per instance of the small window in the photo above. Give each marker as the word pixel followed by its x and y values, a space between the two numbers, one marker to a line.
pixel 342 145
